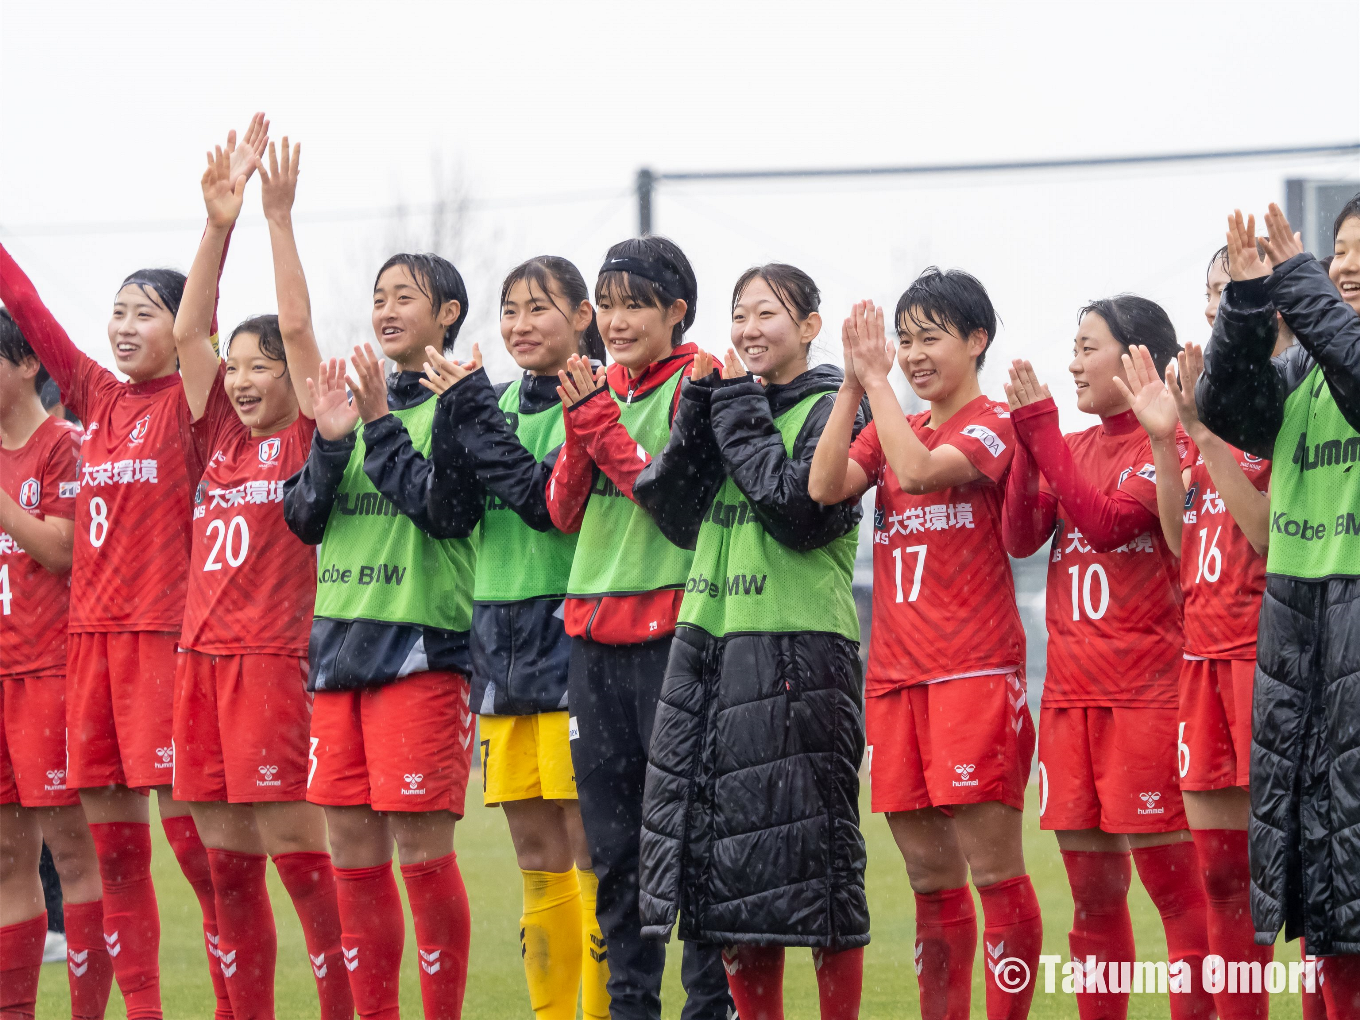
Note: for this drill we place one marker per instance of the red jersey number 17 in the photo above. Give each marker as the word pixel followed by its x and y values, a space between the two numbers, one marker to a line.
pixel 920 552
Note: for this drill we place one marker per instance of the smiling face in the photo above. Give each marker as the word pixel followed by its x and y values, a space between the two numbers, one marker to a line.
pixel 1345 271
pixel 1095 364
pixel 536 332
pixel 142 334
pixel 935 359
pixel 770 341
pixel 1214 281
pixel 404 320
pixel 258 386
pixel 636 334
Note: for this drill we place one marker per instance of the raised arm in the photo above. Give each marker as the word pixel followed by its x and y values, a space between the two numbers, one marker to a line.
pixel 1155 407
pixel 918 470
pixel 1248 505
pixel 224 186
pixel 278 188
pixel 1029 514
pixel 43 332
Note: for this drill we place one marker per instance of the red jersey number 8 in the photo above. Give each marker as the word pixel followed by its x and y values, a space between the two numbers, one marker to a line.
pixel 236 538
pixel 99 521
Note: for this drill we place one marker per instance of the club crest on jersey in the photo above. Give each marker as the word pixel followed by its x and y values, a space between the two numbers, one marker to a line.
pixel 140 430
pixel 200 493
pixel 269 451
pixel 29 494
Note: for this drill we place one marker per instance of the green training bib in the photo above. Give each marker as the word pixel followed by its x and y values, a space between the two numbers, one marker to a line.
pixel 377 565
pixel 515 562
pixel 1315 487
pixel 744 581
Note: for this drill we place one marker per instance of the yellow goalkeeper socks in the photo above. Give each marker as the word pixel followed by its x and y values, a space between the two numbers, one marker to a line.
pixel 595 959
pixel 550 942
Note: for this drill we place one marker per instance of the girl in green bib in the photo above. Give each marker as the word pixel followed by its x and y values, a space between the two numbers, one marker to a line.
pixel 751 813
pixel 503 441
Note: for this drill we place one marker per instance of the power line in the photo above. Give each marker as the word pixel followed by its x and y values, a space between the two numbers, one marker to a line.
pixel 647 178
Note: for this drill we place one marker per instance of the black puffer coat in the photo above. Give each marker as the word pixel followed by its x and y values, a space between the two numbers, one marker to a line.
pixel 751 811
pixel 1305 753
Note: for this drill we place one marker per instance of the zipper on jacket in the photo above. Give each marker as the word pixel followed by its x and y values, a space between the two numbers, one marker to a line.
pixel 510 667
pixel 591 622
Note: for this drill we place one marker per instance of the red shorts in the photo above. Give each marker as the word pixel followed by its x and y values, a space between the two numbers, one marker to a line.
pixel 242 724
pixel 963 741
pixel 120 690
pixel 405 746
pixel 1109 768
pixel 1213 740
pixel 33 742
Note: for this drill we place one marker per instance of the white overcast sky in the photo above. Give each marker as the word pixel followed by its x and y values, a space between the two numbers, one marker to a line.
pixel 544 111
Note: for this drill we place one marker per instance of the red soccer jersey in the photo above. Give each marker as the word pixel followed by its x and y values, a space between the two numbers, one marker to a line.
pixel 138 465
pixel 1222 576
pixel 1114 618
pixel 41 477
pixel 944 598
pixel 252 583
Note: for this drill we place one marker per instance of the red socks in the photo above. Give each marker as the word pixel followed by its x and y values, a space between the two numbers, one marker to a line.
pixel 840 980
pixel 946 942
pixel 1013 937
pixel 1170 874
pixel 1101 929
pixel 132 924
pixel 182 834
pixel 373 932
pixel 1227 885
pixel 443 924
pixel 21 951
pixel 247 940
pixel 1340 978
pixel 89 969
pixel 755 975
pixel 311 884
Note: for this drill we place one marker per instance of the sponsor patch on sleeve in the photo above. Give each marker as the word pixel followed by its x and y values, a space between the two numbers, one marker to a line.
pixel 68 490
pixel 986 437
pixel 1148 472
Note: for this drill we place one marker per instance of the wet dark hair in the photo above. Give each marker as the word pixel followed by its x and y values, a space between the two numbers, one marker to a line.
pixel 1350 209
pixel 677 281
pixel 1219 256
pixel 793 287
pixel 544 270
pixel 439 280
pixel 952 300
pixel 164 286
pixel 266 327
pixel 1136 320
pixel 1327 261
pixel 15 349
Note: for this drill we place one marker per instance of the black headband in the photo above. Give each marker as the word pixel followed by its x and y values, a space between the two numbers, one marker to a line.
pixel 666 277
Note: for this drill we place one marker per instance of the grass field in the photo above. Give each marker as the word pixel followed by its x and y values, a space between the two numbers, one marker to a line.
pixel 496 982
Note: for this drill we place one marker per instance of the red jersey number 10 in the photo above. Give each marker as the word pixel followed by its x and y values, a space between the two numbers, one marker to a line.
pixel 1081 592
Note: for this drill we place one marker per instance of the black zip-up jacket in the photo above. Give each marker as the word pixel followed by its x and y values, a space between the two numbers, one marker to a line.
pixel 1304 832
pixel 750 819
pixel 349 654
pixel 520 650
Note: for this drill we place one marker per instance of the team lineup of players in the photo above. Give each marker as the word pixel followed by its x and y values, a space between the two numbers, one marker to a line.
pixel 638 579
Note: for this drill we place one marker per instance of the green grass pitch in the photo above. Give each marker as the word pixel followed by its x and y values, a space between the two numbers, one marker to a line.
pixel 496 982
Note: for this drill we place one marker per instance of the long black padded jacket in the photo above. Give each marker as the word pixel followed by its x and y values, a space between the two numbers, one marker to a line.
pixel 751 807
pixel 1304 832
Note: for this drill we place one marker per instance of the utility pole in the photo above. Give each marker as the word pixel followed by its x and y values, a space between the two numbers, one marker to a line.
pixel 645 182
pixel 647 179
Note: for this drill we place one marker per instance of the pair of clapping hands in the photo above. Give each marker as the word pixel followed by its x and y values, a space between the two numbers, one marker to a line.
pixel 336 414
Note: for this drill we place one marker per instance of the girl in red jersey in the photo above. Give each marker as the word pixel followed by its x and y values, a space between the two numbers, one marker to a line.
pixel 38 474
pixel 624 592
pixel 1107 768
pixel 242 712
pixel 950 735
pixel 139 464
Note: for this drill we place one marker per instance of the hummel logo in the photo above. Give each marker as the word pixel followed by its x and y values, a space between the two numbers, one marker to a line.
pixel 994 951
pixel 732 963
pixel 267 772
pixel 212 944
pixel 413 779
pixel 965 771
pixel 78 962
pixel 228 963
pixel 599 952
pixel 112 945
pixel 58 777
pixel 429 962
pixel 318 964
pixel 817 958
pixel 351 957
pixel 920 948
pixel 166 756
pixel 1150 799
